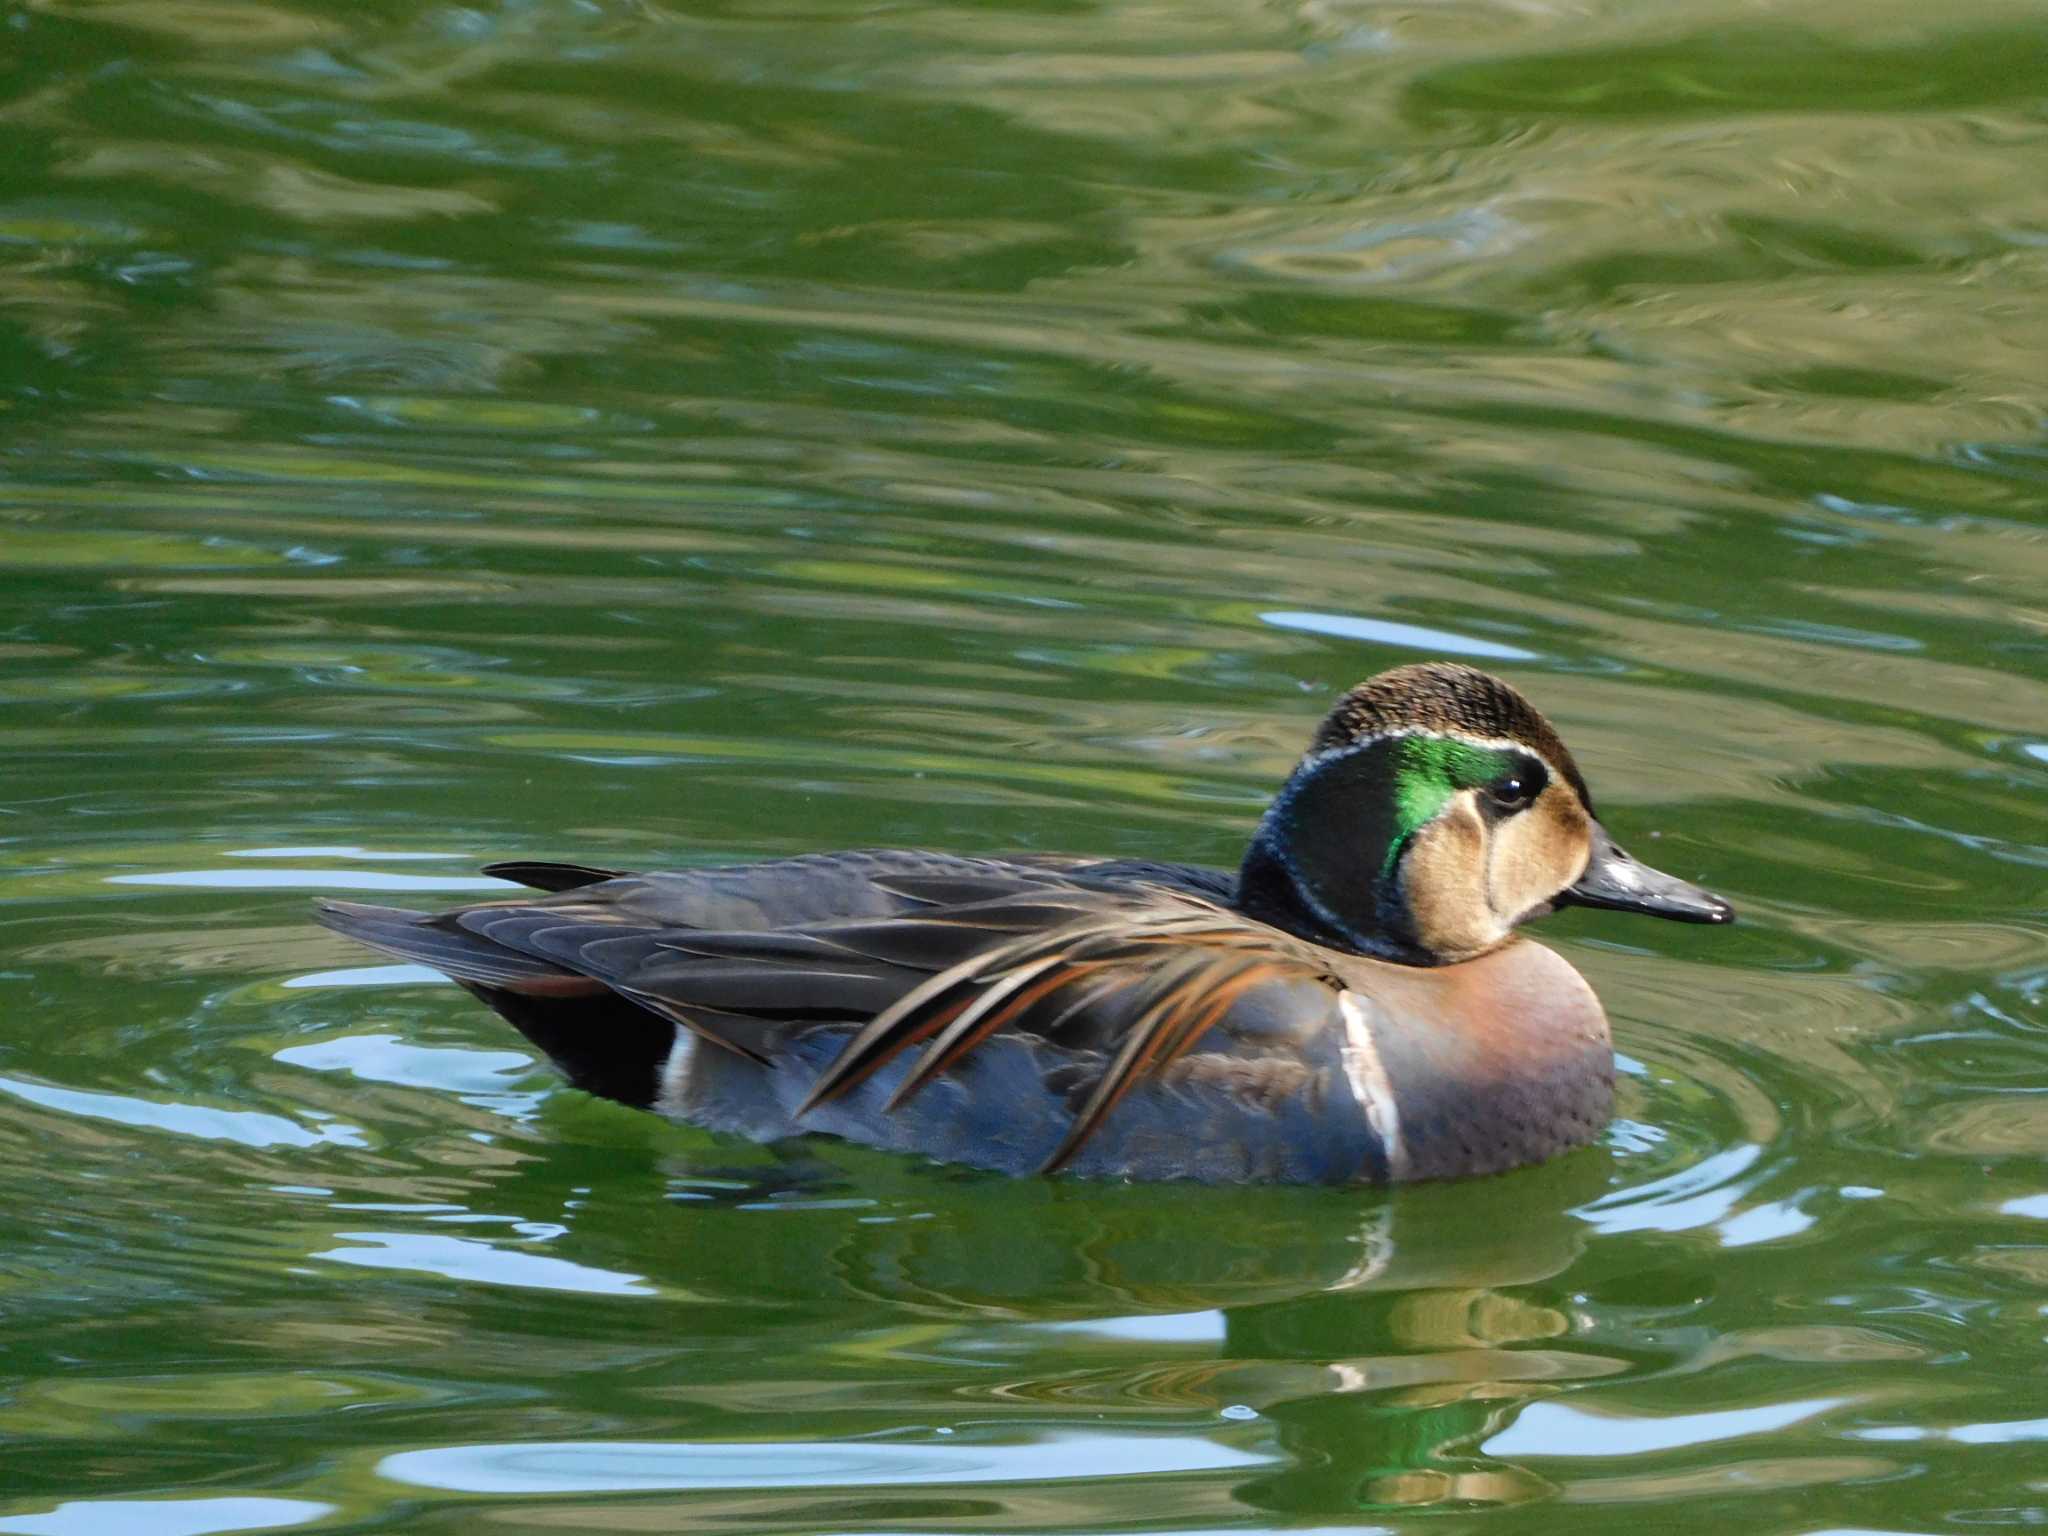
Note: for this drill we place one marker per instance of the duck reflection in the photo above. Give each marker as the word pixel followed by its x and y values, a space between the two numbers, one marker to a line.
pixel 1365 1343
pixel 942 1243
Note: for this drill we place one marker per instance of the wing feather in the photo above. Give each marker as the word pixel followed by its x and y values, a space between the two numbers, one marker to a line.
pixel 1000 1003
pixel 726 1030
pixel 915 1015
pixel 1187 961
pixel 425 940
pixel 1130 968
pixel 1188 997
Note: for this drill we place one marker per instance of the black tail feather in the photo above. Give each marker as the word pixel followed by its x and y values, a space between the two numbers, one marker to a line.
pixel 602 1043
pixel 543 876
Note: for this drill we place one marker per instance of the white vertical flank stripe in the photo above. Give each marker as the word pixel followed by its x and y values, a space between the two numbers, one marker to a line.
pixel 669 1096
pixel 1368 1078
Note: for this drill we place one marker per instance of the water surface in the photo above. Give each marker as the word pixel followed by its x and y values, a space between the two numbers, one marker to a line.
pixel 676 433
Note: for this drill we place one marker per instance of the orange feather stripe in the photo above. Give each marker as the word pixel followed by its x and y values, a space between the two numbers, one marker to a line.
pixel 861 1060
pixel 1148 1034
pixel 1167 1031
pixel 956 1042
pixel 553 986
pixel 959 1008
pixel 1089 996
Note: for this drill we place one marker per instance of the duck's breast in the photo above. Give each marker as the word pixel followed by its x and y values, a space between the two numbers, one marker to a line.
pixel 1478 1067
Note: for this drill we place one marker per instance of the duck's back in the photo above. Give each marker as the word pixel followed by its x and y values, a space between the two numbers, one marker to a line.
pixel 815 888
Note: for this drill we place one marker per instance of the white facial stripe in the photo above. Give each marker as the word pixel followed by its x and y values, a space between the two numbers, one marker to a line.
pixel 1396 733
pixel 1491 743
pixel 1368 1078
pixel 671 1096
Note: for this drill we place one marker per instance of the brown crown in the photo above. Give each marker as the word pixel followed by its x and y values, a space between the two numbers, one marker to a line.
pixel 1450 698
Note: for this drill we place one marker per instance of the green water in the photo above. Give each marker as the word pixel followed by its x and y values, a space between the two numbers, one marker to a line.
pixel 652 433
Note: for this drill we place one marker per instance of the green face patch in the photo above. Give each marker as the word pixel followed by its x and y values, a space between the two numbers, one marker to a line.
pixel 1428 771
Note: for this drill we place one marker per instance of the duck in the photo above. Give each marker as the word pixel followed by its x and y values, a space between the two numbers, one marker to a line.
pixel 1354 1004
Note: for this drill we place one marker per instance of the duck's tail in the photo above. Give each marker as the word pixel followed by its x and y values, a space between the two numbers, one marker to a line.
pixel 604 1043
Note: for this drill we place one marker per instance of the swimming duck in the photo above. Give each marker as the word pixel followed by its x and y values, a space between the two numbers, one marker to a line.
pixel 1351 1005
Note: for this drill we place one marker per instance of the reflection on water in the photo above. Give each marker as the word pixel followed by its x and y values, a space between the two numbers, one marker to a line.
pixel 589 1467
pixel 462 1258
pixel 680 432
pixel 247 1127
pixel 165 1517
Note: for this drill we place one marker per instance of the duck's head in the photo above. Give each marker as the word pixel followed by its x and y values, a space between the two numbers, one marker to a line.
pixel 1435 811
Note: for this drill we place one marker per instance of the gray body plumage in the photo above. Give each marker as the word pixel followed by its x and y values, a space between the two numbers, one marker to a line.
pixel 1223 1047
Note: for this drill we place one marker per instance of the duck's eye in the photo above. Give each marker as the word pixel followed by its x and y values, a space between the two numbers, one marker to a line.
pixel 1511 791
